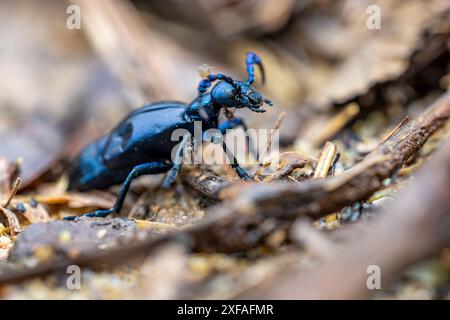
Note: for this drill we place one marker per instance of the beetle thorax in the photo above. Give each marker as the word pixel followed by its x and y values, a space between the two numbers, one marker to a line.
pixel 223 94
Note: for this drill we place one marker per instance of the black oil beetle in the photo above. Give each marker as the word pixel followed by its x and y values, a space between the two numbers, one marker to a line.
pixel 141 143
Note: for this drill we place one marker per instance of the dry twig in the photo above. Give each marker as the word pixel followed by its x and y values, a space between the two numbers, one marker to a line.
pixel 421 212
pixel 243 222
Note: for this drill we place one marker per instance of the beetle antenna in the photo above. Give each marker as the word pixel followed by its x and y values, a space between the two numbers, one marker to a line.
pixel 250 60
pixel 268 102
pixel 206 83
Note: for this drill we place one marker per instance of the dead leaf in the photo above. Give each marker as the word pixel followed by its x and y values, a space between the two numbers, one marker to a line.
pixel 8 171
pixel 10 219
pixel 74 200
pixel 36 214
pixel 95 198
pixel 366 56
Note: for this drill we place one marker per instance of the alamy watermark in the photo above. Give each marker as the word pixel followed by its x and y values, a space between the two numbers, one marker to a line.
pixel 374 279
pixel 251 146
pixel 73 21
pixel 73 281
pixel 373 21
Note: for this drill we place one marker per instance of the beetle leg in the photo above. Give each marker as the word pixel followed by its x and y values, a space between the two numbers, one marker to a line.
pixel 235 164
pixel 98 213
pixel 173 172
pixel 234 123
pixel 139 170
pixel 250 60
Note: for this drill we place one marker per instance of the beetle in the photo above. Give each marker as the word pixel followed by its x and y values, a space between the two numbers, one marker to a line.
pixel 141 143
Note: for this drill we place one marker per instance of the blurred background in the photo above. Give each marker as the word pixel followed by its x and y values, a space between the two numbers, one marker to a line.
pixel 335 73
pixel 60 88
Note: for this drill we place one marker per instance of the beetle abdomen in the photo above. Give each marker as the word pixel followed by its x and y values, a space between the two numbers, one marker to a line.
pixel 143 136
pixel 88 171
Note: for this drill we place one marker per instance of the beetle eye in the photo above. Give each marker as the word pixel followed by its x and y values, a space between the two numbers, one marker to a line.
pixel 234 91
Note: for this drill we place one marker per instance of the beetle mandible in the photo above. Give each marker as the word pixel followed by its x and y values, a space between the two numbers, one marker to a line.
pixel 141 143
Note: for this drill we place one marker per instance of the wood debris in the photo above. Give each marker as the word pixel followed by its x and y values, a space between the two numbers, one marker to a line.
pixel 360 178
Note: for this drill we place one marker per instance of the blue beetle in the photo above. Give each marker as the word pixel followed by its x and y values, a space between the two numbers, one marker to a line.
pixel 141 143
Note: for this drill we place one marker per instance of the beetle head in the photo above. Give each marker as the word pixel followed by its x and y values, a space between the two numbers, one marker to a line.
pixel 238 94
pixel 229 93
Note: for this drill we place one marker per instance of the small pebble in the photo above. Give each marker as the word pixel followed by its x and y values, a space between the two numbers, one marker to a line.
pixel 20 208
pixel 33 202
pixel 102 246
pixel 5 242
pixel 101 233
pixel 2 229
pixel 200 265
pixel 44 253
pixel 65 236
pixel 382 201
